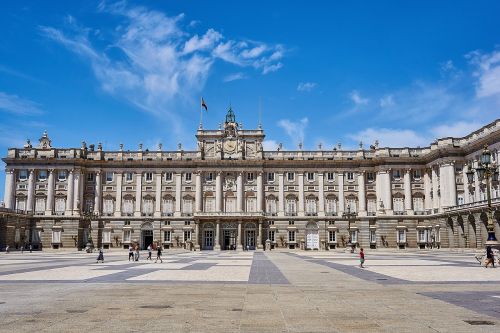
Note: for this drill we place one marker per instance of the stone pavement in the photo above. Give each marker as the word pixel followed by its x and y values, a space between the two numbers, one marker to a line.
pixel 427 291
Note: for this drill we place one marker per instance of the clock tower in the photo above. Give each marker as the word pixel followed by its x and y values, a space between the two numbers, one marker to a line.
pixel 231 141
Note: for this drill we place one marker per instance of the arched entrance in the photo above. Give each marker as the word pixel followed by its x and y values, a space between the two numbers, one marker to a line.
pixel 146 235
pixel 229 235
pixel 250 236
pixel 208 236
pixel 312 236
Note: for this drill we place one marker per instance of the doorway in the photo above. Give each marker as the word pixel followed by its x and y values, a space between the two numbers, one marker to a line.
pixel 147 238
pixel 229 240
pixel 250 239
pixel 312 236
pixel 208 240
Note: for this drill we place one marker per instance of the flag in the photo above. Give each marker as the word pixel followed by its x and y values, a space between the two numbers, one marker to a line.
pixel 203 104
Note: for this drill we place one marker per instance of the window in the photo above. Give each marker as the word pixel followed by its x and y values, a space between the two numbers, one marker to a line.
pixel 310 176
pixel 126 235
pixel 291 236
pixel 418 204
pixel 187 222
pixel 187 235
pixel 126 223
pixel 148 206
pixel 90 177
pixel 129 177
pixel 330 176
pixel 291 222
pixel 401 236
pixel 350 176
pixel 148 176
pixel 40 205
pixel 251 204
pixel 60 205
pixel 250 176
pixel 373 236
pixel 166 222
pixel 61 176
pixel 188 176
pixel 351 204
pixel 21 203
pixel 106 236
pixel 187 205
pixel 167 236
pixel 56 236
pixel 372 206
pixel 109 177
pixel 396 174
pixel 272 236
pixel 270 176
pixel 332 236
pixel 422 236
pixel 311 205
pixel 354 236
pixel 230 204
pixel 291 206
pixel 168 176
pixel 271 222
pixel 271 205
pixel 209 204
pixel 128 206
pixel 461 199
pixel 331 206
pixel 108 207
pixel 417 174
pixel 168 206
pixel 398 204
pixel 290 176
pixel 370 176
pixel 23 175
pixel 210 176
pixel 42 175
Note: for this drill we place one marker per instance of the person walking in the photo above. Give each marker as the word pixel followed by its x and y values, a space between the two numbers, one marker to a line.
pixel 137 253
pixel 31 248
pixel 361 258
pixel 149 252
pixel 22 248
pixel 158 255
pixel 130 253
pixel 100 257
pixel 490 258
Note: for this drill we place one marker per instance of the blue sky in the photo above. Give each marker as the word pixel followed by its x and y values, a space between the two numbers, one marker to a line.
pixel 325 72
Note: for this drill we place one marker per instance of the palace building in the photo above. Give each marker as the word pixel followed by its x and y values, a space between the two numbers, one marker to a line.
pixel 231 194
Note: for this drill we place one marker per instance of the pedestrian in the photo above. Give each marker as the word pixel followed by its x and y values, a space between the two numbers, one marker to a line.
pixel 149 253
pixel 31 248
pixel 361 258
pixel 22 248
pixel 490 259
pixel 137 253
pixel 130 253
pixel 158 255
pixel 7 249
pixel 100 256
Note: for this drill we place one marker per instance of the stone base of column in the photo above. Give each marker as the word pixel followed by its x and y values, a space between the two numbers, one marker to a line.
pixel 362 213
pixel 217 247
pixel 281 213
pixel 157 214
pixel 259 247
pixel 410 212
pixel 137 214
pixel 68 213
pixel 239 247
pixel 48 212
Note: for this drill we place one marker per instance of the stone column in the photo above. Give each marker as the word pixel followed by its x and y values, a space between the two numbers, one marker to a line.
pixel 260 192
pixel 239 192
pixel 197 237
pixel 427 190
pixel 31 191
pixel 259 244
pixel 452 185
pixel 465 180
pixel 321 196
pixel 218 192
pixel 217 232
pixel 477 186
pixel 239 238
pixel 118 204
pixel 70 193
pixel 50 193
pixel 199 193
pixel 301 193
pixel 77 201
pixel 387 191
pixel 361 194
pixel 408 197
pixel 435 186
pixel 98 193
pixel 138 194
pixel 158 195
pixel 178 193
pixel 9 188
pixel 281 194
pixel 341 193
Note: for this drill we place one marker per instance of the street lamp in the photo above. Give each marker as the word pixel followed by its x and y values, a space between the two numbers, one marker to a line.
pixel 488 171
pixel 349 215
pixel 90 215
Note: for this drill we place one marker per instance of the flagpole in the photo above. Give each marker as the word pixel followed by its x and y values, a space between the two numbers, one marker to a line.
pixel 201 113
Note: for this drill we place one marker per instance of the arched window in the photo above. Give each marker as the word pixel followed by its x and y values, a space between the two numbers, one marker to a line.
pixel 271 205
pixel 148 205
pixel 331 205
pixel 167 205
pixel 311 205
pixel 251 203
pixel 291 205
pixel 128 205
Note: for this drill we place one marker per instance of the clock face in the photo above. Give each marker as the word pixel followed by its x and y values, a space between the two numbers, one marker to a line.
pixel 230 146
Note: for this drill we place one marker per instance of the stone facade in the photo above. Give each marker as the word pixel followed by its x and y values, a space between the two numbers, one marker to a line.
pixel 231 194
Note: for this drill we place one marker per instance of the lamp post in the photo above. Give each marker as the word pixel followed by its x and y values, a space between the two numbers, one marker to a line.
pixel 349 215
pixel 487 171
pixel 90 215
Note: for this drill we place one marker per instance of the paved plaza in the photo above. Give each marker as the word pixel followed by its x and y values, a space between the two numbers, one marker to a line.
pixel 425 291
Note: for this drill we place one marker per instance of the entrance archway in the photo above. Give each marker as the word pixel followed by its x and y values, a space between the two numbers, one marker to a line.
pixel 250 236
pixel 312 236
pixel 146 235
pixel 208 237
pixel 229 235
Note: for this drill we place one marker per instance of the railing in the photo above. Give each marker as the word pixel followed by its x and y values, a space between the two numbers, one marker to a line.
pixel 15 211
pixel 290 214
pixel 472 205
pixel 223 214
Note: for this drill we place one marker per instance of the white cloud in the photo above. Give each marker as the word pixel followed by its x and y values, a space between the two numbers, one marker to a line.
pixel 234 77
pixel 487 72
pixel 389 137
pixel 154 62
pixel 270 145
pixel 306 86
pixel 387 101
pixel 357 99
pixel 17 105
pixel 295 130
pixel 456 130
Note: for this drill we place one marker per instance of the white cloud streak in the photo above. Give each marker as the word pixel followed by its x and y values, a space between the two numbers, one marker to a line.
pixel 294 129
pixel 357 99
pixel 17 105
pixel 306 86
pixel 234 77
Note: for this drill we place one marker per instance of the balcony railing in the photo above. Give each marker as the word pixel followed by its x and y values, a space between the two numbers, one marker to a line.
pixel 222 214
pixel 290 213
pixel 482 203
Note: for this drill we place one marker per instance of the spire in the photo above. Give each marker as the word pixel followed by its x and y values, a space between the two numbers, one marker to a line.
pixel 230 118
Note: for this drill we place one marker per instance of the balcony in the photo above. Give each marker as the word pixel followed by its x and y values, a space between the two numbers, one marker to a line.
pixel 270 213
pixel 167 214
pixel 477 204
pixel 290 213
pixel 229 214
pixel 311 214
pixel 421 212
pixel 399 213
pixel 186 214
pixel 330 213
